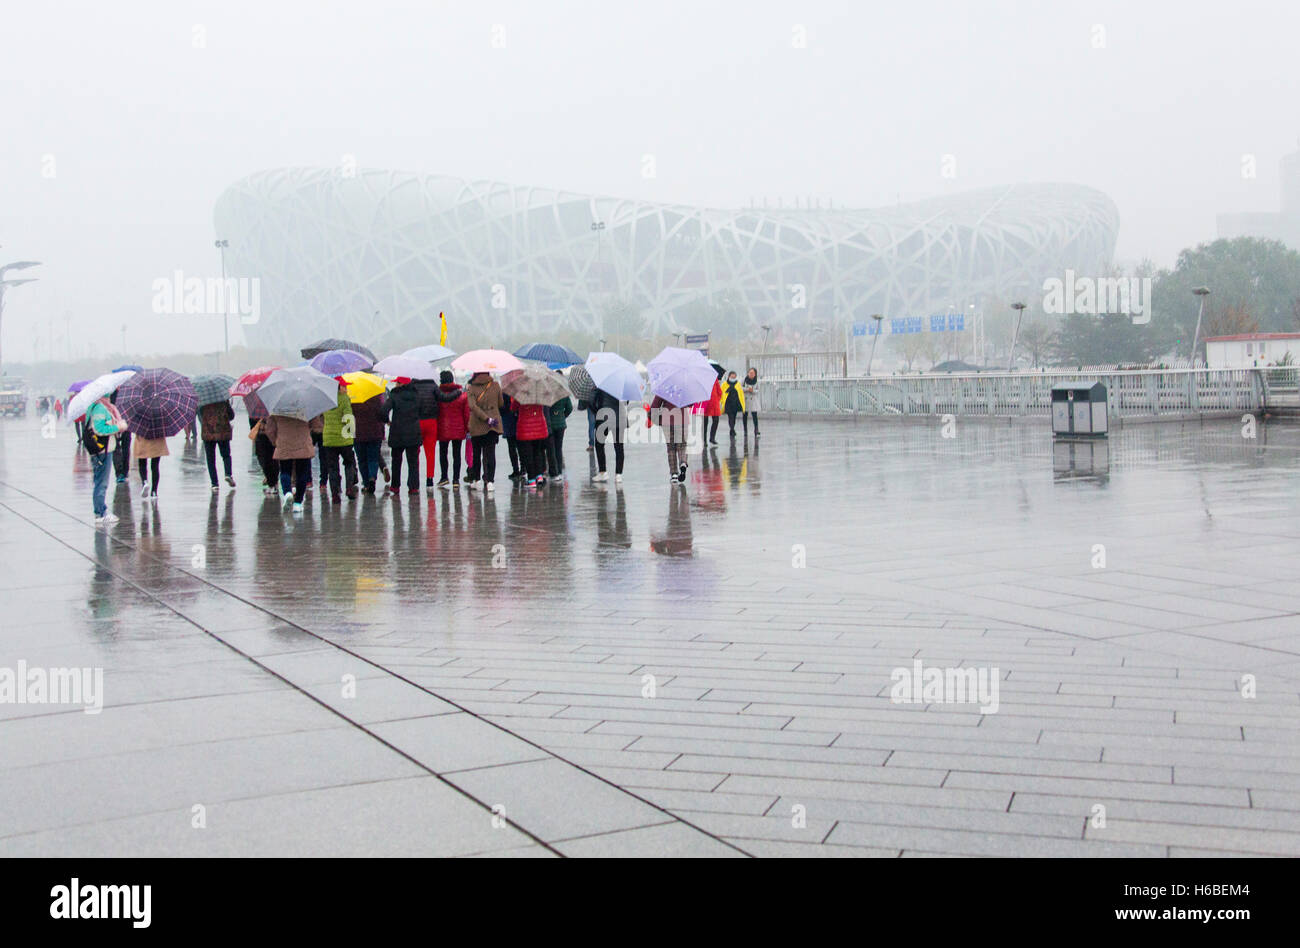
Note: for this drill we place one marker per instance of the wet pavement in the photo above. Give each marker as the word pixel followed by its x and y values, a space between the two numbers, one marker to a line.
pixel 641 669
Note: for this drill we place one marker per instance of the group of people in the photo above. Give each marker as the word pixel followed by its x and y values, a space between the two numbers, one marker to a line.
pixel 442 419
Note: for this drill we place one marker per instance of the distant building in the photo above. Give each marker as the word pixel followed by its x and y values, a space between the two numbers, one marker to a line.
pixel 376 255
pixel 1283 225
pixel 1251 350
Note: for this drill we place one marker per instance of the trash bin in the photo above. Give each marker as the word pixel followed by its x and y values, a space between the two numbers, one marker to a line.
pixel 1079 409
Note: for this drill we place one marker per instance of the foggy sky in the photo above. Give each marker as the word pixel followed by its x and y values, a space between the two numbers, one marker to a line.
pixel 146 128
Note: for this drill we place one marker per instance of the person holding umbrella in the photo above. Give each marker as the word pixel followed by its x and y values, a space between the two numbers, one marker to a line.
pixel 215 430
pixel 510 430
pixel 156 403
pixel 368 418
pixel 557 420
pixel 712 408
pixel 672 421
pixel 339 428
pixel 430 408
pixel 485 403
pixel 402 415
pixel 454 425
pixel 101 426
pixel 294 449
pixel 122 452
pixel 611 419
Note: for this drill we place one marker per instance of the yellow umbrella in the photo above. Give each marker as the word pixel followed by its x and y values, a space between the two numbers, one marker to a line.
pixel 362 386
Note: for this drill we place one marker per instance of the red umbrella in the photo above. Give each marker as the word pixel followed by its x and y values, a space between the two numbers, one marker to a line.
pixel 250 381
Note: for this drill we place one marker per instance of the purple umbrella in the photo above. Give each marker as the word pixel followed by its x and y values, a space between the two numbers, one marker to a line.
pixel 76 387
pixel 681 376
pixel 157 402
pixel 340 362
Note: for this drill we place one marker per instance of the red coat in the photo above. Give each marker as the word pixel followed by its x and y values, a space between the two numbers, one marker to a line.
pixel 713 407
pixel 532 423
pixel 453 417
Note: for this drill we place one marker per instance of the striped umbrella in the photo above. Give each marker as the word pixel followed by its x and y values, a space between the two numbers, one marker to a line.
pixel 157 403
pixel 552 353
pixel 325 345
pixel 211 389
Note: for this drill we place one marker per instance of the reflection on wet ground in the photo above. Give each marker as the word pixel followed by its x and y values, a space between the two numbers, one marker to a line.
pixel 660 669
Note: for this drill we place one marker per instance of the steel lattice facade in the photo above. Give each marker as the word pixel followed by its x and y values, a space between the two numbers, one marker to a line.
pixel 377 255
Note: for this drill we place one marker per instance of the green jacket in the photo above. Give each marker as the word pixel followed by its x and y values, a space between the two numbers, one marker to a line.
pixel 334 434
pixel 557 413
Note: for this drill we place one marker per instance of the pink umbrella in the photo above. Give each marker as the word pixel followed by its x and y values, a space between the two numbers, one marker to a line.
pixel 250 381
pixel 486 360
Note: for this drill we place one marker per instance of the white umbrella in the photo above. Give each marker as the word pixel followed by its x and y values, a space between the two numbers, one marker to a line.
pixel 430 353
pixel 401 366
pixel 611 373
pixel 94 390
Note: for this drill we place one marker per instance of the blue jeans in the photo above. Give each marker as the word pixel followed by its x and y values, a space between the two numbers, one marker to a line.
pixel 591 427
pixel 99 467
pixel 368 460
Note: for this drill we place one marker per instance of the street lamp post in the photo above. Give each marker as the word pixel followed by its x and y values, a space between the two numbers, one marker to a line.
pixel 766 332
pixel 874 339
pixel 1020 314
pixel 6 284
pixel 221 246
pixel 1202 292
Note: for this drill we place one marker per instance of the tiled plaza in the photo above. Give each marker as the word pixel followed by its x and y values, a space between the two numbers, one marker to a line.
pixel 640 669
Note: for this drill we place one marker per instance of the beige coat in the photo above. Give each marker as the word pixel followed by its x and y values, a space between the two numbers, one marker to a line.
pixel 148 448
pixel 291 437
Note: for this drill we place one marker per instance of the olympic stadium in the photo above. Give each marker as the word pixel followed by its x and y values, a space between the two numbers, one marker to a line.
pixel 378 254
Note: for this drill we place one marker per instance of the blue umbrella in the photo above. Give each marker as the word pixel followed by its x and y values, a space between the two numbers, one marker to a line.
pixel 611 373
pixel 553 354
pixel 129 368
pixel 681 377
pixel 340 362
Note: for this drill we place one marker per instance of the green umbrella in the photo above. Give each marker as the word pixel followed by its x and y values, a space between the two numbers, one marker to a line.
pixel 212 388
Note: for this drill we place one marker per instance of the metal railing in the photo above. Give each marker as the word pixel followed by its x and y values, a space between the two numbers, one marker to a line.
pixel 799 365
pixel 1131 394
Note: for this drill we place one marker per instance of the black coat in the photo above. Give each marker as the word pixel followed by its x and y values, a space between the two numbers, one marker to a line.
pixel 402 412
pixel 428 401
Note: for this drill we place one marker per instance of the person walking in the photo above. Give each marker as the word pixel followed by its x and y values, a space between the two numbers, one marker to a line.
pixel 532 433
pixel 317 427
pixel 402 415
pixel 752 401
pixel 712 409
pixel 510 429
pixel 557 419
pixel 733 403
pixel 588 406
pixel 215 430
pixel 485 400
pixel 101 429
pixel 454 418
pixel 121 453
pixel 339 428
pixel 264 450
pixel 610 420
pixel 430 405
pixel 147 453
pixel 369 420
pixel 294 449
pixel 672 422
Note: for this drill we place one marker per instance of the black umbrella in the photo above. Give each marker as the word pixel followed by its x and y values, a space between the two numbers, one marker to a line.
pixel 325 345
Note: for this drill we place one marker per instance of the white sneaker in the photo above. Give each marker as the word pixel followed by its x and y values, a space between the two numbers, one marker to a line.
pixel 285 499
pixel 99 521
pixel 110 518
pixel 216 489
pixel 144 493
pixel 618 478
pixel 491 487
pixel 297 508
pixel 602 476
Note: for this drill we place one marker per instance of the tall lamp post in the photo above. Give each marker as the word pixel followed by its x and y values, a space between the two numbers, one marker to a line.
pixel 221 246
pixel 6 284
pixel 766 332
pixel 1202 292
pixel 1020 314
pixel 874 339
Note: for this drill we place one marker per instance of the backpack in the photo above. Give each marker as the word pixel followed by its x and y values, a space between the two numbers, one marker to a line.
pixel 92 442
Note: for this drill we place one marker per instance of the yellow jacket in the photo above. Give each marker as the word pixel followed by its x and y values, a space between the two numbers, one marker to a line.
pixel 727 389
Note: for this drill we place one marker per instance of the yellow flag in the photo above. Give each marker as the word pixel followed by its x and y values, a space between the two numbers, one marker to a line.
pixel 442 338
